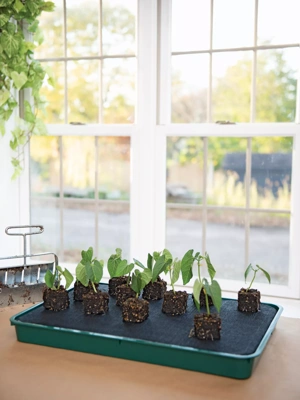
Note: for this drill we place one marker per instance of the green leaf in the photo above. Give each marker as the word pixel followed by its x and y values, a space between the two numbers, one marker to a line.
pixel 4 18
pixel 146 277
pixel 33 26
pixel 187 266
pixel 18 6
pixel 97 268
pixel 139 264
pixel 267 275
pixel 149 261
pixel 196 292
pixel 28 115
pixel 48 6
pixel 89 271
pixel 49 279
pixel 13 145
pixel 112 264
pixel 68 277
pixel 119 252
pixel 2 128
pixel 176 271
pixel 216 294
pixel 40 128
pixel 87 256
pixel 156 255
pixel 121 267
pixel 136 281
pixel 167 254
pixel 81 275
pixel 11 28
pixel 4 96
pixel 9 43
pixel 248 269
pixel 159 267
pixel 211 270
pixel 19 79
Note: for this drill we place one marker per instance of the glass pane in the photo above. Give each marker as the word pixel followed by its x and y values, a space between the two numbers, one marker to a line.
pixel 226 171
pixel 47 214
pixel 114 229
pixel 233 24
pixel 78 166
pixel 276 85
pixel 79 229
pixel 52 26
pixel 231 90
pixel 119 26
pixel 83 91
pixel 225 243
pixel 54 95
pixel 190 25
pixel 269 245
pixel 189 88
pixel 114 168
pixel 44 166
pixel 184 170
pixel 183 230
pixel 278 21
pixel 119 95
pixel 271 170
pixel 83 28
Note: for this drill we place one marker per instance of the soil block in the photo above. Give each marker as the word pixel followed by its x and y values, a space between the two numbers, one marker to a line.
pixel 175 303
pixel 123 292
pixel 113 283
pixel 155 290
pixel 249 300
pixel 95 302
pixel 56 300
pixel 207 327
pixel 80 290
pixel 135 310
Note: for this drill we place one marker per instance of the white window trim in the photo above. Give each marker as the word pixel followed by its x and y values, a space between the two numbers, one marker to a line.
pixel 148 145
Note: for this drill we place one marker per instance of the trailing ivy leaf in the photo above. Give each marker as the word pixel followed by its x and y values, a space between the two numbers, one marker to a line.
pixel 48 6
pixel 40 128
pixel 68 277
pixel 18 6
pixel 248 269
pixel 149 261
pixel 19 79
pixel 33 26
pixel 176 271
pixel 4 3
pixel 216 294
pixel 49 279
pixel 13 145
pixel 11 28
pixel 4 18
pixel 28 115
pixel 2 127
pixel 9 43
pixel 187 266
pixel 196 292
pixel 158 268
pixel 4 96
pixel 211 270
pixel 81 274
pixel 267 275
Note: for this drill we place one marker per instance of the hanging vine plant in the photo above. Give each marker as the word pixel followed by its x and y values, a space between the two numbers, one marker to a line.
pixel 19 71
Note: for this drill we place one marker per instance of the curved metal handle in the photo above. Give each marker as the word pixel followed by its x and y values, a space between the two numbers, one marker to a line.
pixel 41 230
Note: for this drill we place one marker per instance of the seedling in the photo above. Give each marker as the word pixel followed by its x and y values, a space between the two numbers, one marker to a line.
pixel 89 270
pixel 161 261
pixel 118 267
pixel 173 268
pixel 211 289
pixel 53 281
pixel 140 280
pixel 258 268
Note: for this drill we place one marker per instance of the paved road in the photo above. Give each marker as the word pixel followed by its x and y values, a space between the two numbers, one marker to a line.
pixel 269 247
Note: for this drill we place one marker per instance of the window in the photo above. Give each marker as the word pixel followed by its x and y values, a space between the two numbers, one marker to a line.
pixel 207 157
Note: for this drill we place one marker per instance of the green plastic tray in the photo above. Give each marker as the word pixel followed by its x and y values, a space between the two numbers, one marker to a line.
pixel 190 358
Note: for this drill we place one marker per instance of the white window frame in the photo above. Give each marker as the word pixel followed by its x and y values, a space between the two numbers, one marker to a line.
pixel 148 147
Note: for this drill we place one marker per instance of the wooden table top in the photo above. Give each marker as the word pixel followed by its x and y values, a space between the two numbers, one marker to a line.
pixel 37 372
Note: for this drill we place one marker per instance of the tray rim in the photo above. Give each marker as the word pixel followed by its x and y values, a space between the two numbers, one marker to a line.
pixel 15 322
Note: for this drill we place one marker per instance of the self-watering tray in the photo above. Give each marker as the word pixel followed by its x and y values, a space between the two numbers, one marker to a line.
pixel 161 339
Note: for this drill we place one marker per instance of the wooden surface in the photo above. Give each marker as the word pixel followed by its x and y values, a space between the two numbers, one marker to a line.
pixel 37 372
